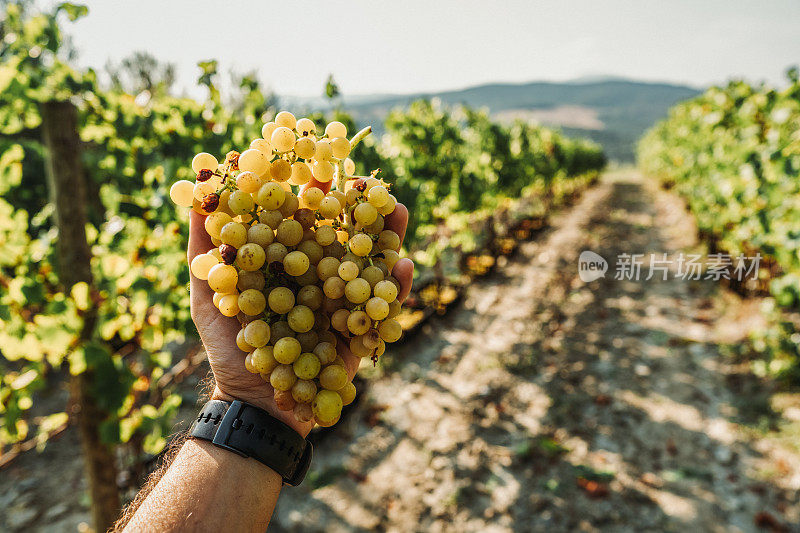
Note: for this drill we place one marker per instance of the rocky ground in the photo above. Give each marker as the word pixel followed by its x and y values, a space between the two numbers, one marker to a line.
pixel 539 402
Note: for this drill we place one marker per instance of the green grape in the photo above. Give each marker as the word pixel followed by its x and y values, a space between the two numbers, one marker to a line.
pixel 304 390
pixel 280 170
pixel 390 330
pixel 311 296
pixel 281 300
pixel 300 318
pixel 242 343
pixel 253 160
pixel 306 367
pixel 295 263
pixel 325 235
pixel 333 287
pixel 301 172
pixel 358 290
pixel 360 244
pixel 377 308
pixel 252 302
pixel 282 377
pixel 275 253
pixel 270 218
pixel 330 207
pixel 234 234
pixel 308 340
pixel 287 350
pixel 348 270
pixel 339 320
pixel 271 196
pixel 201 264
pixel 358 322
pixel 327 267
pixel 327 406
pixel 378 196
pixel 289 233
pixel 365 214
pixel 263 360
pixel 260 234
pixel 335 129
pixel 347 393
pixel 333 377
pixel 312 250
pixel 388 240
pixel 387 290
pixel 340 147
pixel 222 278
pixel 256 333
pixel 373 275
pixel 250 257
pixel 282 139
pixel 249 183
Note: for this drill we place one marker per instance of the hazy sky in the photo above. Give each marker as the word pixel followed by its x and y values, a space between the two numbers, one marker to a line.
pixel 408 46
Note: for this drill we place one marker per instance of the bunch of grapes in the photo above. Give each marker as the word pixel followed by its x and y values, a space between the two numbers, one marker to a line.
pixel 297 268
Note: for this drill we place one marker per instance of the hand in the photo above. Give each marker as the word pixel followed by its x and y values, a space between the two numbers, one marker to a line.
pixel 218 332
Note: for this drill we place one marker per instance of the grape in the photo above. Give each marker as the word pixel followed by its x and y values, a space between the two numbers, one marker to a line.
pixel 340 147
pixel 335 129
pixel 377 308
pixel 182 193
pixel 241 342
pixel 275 253
pixel 349 167
pixel 253 160
pixel 284 400
pixel 260 234
pixel 386 290
pixel 271 196
pixel 267 130
pixel 248 182
pixel 234 234
pixel 289 233
pixel 256 333
pixel 201 264
pixel 308 340
pixel 352 196
pixel 309 278
pixel 373 275
pixel 303 412
pixel 280 330
pixel 271 218
pixel 295 263
pixel 304 390
pixel 250 257
pixel 301 173
pixel 323 151
pixel 263 360
pixel 290 205
pixel 280 170
pixel 281 300
pixel 365 214
pixel 286 120
pixel 381 348
pixel 287 350
pixel 305 217
pixel 282 377
pixel 378 196
pixel 357 347
pixel 333 287
pixel 306 366
pixel 282 139
pixel 390 330
pixel 371 339
pixel 327 406
pixel 263 146
pixel 349 256
pixel 348 271
pixel 376 227
pixel 203 161
pixel 358 322
pixel 388 207
pixel 301 318
pixel 325 235
pixel 325 352
pixel 323 171
pixel 252 302
pixel 347 393
pixel 394 309
pixel 390 258
pixel 311 296
pixel 305 148
pixel 228 305
pixel 222 278
pixel 305 127
pixel 333 377
pixel 312 250
pixel 360 244
pixel 202 189
pixel 334 249
pixel 388 240
pixel 313 197
pixel 321 321
pixel 358 290
pixel 327 267
pixel 339 320
pixel 216 298
pixel 330 207
pixel 369 183
pixel 248 363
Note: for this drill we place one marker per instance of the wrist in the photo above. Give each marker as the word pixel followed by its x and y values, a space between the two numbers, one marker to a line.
pixel 268 405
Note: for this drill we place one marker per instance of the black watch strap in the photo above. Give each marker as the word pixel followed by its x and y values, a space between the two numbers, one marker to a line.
pixel 252 432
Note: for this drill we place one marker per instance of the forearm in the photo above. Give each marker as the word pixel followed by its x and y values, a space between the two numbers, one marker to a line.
pixel 209 489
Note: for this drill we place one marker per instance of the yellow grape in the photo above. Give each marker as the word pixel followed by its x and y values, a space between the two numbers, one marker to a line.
pixel 305 127
pixel 306 366
pixel 390 330
pixel 281 170
pixel 216 298
pixel 303 411
pixel 250 257
pixel 229 305
pixel 248 182
pixel 256 333
pixel 313 197
pixel 282 378
pixel 222 278
pixel 201 264
pixel 204 161
pixel 270 217
pixel 234 234
pixel 290 205
pixel 373 275
pixel 377 308
pixel 378 196
pixel 287 350
pixel 340 147
pixel 333 287
pixel 358 322
pixel 358 290
pixel 282 139
pixel 215 222
pixel 390 258
pixel 357 347
pixel 327 267
pixel 386 290
pixel 347 393
pixel 252 302
pixel 242 343
pixel 289 233
pixel 281 300
pixel 267 130
pixel 348 270
pixel 285 119
pixel 335 129
pixel 325 235
pixel 295 263
pixel 360 244
pixel 323 150
pixel 253 160
pixel 327 406
pixel 305 148
pixel 263 146
pixel 271 196
pixel 330 207
pixel 365 213
pixel 304 390
pixel 349 167
pixel 260 234
pixel 323 171
pixel 202 189
pixel 182 193
pixel 333 377
pixel 312 250
pixel 301 318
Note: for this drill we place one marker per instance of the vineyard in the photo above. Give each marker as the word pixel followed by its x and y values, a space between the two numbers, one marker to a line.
pixel 517 393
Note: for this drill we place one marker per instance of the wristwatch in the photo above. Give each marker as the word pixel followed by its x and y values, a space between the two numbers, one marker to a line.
pixel 252 432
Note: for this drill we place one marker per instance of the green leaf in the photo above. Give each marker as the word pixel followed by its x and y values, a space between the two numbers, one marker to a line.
pixel 73 11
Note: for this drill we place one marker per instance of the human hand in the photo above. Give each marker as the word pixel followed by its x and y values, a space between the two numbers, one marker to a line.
pixel 218 332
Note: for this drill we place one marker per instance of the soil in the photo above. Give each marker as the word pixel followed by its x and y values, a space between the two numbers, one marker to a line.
pixel 538 403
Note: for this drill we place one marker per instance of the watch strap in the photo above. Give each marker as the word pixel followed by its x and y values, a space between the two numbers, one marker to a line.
pixel 252 432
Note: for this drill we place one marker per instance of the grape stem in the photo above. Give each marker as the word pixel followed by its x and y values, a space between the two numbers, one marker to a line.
pixel 340 176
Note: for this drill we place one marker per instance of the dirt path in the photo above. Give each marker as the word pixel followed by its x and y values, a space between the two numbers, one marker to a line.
pixel 543 403
pixel 539 403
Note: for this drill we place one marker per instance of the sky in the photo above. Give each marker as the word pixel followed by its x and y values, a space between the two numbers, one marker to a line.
pixel 373 46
